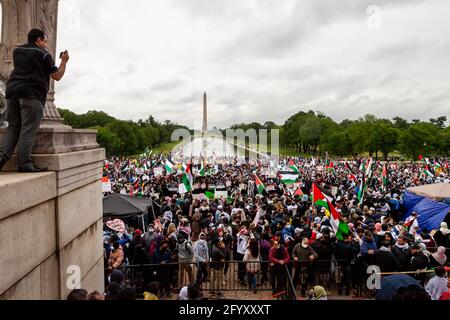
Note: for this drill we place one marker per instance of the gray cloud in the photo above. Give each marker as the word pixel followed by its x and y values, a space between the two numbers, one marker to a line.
pixel 258 60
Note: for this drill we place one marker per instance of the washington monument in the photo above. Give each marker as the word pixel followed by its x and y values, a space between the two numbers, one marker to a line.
pixel 205 114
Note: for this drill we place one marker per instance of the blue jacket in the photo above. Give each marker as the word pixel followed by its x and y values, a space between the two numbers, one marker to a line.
pixel 160 256
pixel 366 246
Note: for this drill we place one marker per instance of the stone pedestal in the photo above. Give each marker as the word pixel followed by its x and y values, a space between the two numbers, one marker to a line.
pixel 51 225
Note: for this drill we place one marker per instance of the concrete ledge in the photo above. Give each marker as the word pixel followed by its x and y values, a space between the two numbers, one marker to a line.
pixel 52 140
pixel 77 211
pixel 62 161
pixel 77 170
pixel 20 191
pixel 78 184
pixel 94 279
pixel 39 284
pixel 83 252
pixel 83 175
pixel 28 239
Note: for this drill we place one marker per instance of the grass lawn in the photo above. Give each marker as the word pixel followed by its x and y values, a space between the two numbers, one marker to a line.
pixel 166 147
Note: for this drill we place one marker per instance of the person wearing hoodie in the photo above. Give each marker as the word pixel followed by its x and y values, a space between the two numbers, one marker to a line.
pixel 402 252
pixel 185 253
pixel 385 259
pixel 303 255
pixel 201 256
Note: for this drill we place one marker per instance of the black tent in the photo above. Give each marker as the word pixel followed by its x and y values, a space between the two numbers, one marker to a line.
pixel 120 206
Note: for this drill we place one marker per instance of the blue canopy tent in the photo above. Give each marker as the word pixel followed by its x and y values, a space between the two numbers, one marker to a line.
pixel 430 213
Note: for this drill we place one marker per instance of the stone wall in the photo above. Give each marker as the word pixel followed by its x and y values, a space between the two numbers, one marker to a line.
pixel 51 222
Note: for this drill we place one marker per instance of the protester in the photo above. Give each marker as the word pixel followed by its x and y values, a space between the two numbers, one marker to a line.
pixel 217 264
pixel 438 284
pixel 78 294
pixel 251 258
pixel 196 222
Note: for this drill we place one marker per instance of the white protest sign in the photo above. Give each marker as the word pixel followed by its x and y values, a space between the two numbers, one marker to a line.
pixel 334 191
pixel 223 194
pixel 106 186
pixel 182 189
pixel 158 171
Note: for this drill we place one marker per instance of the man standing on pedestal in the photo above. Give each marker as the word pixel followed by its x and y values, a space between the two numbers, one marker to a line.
pixel 26 93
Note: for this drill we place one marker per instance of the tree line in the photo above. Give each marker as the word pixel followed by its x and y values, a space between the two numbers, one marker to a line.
pixel 121 137
pixel 307 132
pixel 315 133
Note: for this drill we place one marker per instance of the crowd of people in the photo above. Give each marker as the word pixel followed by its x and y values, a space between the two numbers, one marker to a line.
pixel 273 233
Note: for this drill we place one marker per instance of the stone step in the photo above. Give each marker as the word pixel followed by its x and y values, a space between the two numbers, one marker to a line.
pixel 20 191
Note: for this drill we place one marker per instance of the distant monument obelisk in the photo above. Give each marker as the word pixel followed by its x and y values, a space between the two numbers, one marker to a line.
pixel 205 125
pixel 205 114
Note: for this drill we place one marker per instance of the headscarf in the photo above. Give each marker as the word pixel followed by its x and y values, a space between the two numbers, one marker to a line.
pixel 444 229
pixel 424 250
pixel 320 293
pixel 440 256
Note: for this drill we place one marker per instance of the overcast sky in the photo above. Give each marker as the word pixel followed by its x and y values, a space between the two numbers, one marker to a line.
pixel 258 60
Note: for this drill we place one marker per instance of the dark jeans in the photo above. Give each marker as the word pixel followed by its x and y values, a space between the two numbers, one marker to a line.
pixel 278 279
pixel 241 267
pixel 24 118
pixel 202 272
pixel 251 280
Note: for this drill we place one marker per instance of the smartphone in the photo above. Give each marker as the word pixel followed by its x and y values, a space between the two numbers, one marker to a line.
pixel 61 54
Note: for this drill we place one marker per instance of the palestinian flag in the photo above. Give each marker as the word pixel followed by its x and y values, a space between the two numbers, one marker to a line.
pixel 187 182
pixel 350 175
pixel 288 177
pixel 319 199
pixel 259 185
pixel 298 192
pixel 384 174
pixel 361 190
pixel 330 166
pixel 169 166
pixel 427 172
pixel 209 195
pixel 293 167
pixel 340 227
pixel 437 166
pixel 202 170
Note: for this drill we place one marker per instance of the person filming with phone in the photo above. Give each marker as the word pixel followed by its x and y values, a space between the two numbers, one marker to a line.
pixel 26 94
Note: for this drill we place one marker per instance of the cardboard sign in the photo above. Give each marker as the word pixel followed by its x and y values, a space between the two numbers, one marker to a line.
pixel 157 171
pixel 116 225
pixel 181 189
pixel 242 186
pixel 106 187
pixel 223 194
pixel 199 196
pixel 334 191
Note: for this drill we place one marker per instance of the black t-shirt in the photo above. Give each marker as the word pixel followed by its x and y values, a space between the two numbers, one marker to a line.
pixel 31 75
